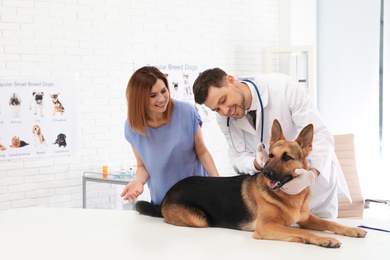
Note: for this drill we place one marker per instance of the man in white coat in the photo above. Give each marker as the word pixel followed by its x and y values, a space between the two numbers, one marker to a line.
pixel 273 96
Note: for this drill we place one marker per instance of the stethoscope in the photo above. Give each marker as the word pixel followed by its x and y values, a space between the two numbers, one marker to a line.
pixel 262 120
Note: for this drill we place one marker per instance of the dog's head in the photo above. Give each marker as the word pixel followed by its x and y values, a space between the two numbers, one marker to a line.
pixel 175 84
pixel 54 97
pixel 61 138
pixel 286 156
pixel 14 100
pixel 36 130
pixel 15 141
pixel 38 97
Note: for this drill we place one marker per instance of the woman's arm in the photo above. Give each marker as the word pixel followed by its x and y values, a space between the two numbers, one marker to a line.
pixel 135 188
pixel 203 154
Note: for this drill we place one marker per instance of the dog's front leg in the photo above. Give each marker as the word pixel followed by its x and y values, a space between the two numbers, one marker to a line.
pixel 316 223
pixel 275 231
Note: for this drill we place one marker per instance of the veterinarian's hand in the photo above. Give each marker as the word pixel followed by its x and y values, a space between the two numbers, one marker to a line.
pixel 261 155
pixel 305 178
pixel 132 190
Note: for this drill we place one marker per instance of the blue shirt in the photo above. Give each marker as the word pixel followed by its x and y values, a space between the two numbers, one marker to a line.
pixel 168 153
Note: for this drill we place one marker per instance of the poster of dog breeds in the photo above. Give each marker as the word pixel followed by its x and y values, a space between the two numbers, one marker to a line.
pixel 33 118
pixel 15 104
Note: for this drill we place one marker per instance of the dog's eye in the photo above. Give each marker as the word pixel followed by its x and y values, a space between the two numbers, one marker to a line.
pixel 286 157
pixel 271 155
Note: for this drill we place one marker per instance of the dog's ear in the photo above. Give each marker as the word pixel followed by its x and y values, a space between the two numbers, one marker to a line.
pixel 305 139
pixel 276 133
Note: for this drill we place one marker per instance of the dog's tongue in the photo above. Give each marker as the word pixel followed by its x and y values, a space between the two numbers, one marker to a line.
pixel 273 185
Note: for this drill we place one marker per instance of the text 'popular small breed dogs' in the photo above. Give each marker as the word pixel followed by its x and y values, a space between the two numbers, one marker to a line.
pixel 253 202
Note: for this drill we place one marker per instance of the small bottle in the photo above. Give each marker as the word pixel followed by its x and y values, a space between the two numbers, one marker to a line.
pixel 122 169
pixel 105 171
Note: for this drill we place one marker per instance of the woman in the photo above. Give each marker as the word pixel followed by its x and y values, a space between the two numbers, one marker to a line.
pixel 165 136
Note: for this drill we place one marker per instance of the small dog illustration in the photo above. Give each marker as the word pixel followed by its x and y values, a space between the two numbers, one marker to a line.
pixel 58 107
pixel 61 140
pixel 38 136
pixel 17 143
pixel 175 91
pixel 2 147
pixel 187 84
pixel 37 102
pixel 14 103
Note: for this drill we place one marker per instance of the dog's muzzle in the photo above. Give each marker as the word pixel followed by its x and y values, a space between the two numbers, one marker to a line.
pixel 39 99
pixel 274 182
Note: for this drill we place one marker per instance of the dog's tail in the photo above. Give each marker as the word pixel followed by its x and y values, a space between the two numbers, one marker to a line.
pixel 147 208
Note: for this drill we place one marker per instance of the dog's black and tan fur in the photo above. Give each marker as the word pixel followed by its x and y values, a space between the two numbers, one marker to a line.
pixel 58 107
pixel 253 202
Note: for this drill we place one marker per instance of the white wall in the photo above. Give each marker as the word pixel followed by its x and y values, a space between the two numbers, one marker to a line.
pixel 298 22
pixel 298 28
pixel 348 82
pixel 96 42
pixel 345 37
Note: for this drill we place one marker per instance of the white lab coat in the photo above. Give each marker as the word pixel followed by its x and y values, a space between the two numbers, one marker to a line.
pixel 283 99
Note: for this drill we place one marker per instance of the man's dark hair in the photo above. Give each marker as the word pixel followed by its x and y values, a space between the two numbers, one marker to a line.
pixel 208 78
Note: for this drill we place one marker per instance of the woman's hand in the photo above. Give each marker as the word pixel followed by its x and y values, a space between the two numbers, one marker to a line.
pixel 132 190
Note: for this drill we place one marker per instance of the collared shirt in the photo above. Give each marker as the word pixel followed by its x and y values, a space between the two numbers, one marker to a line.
pixel 284 99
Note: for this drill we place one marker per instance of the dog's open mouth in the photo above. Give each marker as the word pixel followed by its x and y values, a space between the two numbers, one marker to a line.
pixel 274 185
pixel 277 184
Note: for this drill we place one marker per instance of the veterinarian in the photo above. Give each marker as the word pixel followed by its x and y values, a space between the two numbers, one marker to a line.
pixel 165 136
pixel 273 96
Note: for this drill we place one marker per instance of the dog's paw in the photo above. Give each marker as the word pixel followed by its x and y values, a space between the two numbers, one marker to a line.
pixel 257 235
pixel 354 232
pixel 327 242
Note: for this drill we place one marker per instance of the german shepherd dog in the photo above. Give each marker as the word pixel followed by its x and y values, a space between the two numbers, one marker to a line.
pixel 253 202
